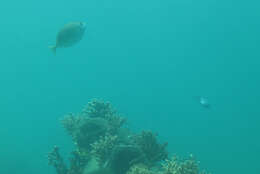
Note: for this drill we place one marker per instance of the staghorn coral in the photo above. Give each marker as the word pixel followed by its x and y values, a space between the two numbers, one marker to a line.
pixel 84 130
pixel 152 149
pixel 102 148
pixel 55 160
pixel 123 157
pixel 77 161
pixel 139 169
pixel 72 122
pixel 90 131
pixel 177 166
pixel 100 109
pixel 115 121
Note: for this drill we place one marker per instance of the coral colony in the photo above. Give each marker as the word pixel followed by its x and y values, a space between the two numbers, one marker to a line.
pixel 103 145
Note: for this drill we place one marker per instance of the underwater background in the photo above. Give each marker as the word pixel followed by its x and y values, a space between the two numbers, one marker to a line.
pixel 149 59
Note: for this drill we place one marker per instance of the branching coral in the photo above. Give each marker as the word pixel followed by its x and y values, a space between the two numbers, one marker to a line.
pixel 72 122
pixel 56 161
pixel 84 130
pixel 123 157
pixel 100 109
pixel 177 166
pixel 139 169
pixel 78 160
pixel 99 136
pixel 153 150
pixel 115 121
pixel 103 148
pixel 90 131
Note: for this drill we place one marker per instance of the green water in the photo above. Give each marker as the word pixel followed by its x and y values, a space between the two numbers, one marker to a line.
pixel 149 59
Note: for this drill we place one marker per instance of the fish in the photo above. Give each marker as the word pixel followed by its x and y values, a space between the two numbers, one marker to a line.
pixel 203 101
pixel 69 35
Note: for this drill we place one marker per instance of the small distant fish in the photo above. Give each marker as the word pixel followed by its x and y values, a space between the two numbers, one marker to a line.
pixel 203 101
pixel 69 35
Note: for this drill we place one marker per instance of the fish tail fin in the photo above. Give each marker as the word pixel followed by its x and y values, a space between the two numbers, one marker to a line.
pixel 53 49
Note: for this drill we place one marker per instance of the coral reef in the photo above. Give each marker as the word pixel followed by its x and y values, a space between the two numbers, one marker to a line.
pixel 90 130
pixel 104 146
pixel 178 166
pixel 99 108
pixel 77 162
pixel 140 169
pixel 152 149
pixel 123 157
pixel 57 161
pixel 71 123
pixel 97 119
pixel 84 130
